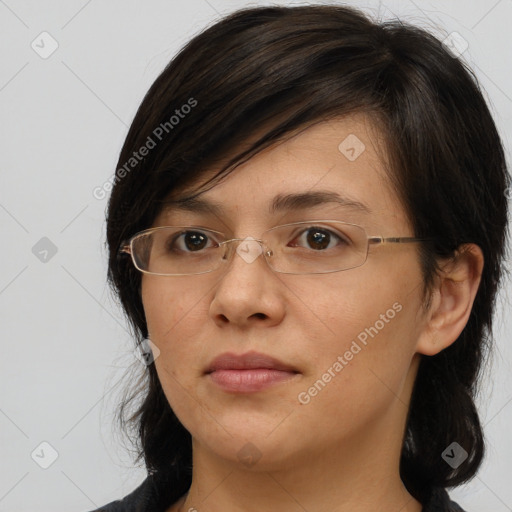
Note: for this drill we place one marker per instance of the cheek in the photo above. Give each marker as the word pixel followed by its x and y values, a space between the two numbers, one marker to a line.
pixel 175 317
pixel 358 378
pixel 169 306
pixel 343 309
pixel 364 333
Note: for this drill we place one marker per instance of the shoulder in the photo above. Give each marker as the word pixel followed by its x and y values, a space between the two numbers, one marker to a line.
pixel 143 499
pixel 439 501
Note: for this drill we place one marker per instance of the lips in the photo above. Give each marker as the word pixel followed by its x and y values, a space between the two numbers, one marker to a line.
pixel 248 373
pixel 248 361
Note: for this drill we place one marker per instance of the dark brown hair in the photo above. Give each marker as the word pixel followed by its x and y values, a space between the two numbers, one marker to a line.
pixel 283 68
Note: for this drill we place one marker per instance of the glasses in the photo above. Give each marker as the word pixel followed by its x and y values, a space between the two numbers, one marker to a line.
pixel 308 247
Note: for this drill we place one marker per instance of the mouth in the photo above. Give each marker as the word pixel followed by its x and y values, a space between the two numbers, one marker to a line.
pixel 250 372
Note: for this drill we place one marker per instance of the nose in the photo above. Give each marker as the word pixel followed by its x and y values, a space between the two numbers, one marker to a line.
pixel 244 294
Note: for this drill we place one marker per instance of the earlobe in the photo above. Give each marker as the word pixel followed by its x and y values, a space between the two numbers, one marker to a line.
pixel 452 300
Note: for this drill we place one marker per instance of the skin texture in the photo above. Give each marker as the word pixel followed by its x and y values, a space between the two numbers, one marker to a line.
pixel 340 451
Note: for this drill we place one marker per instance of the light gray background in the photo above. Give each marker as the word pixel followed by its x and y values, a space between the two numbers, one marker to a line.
pixel 65 345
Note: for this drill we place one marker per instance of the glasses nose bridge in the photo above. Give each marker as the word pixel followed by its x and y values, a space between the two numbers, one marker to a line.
pixel 247 255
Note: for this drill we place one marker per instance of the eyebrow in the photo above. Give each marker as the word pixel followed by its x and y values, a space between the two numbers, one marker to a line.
pixel 280 203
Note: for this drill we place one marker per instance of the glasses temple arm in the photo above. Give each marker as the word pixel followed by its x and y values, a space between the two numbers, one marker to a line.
pixel 395 239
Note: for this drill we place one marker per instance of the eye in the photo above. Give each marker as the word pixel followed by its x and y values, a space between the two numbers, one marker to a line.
pixel 319 238
pixel 188 241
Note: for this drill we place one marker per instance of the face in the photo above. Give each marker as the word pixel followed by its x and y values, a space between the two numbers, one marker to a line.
pixel 346 339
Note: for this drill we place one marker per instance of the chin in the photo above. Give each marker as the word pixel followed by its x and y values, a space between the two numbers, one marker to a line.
pixel 253 453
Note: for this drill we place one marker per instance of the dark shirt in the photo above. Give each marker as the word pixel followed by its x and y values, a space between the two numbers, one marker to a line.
pixel 144 499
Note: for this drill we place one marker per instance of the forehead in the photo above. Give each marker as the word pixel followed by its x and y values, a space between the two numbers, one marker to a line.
pixel 338 164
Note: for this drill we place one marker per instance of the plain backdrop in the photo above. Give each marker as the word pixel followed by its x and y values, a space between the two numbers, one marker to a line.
pixel 65 344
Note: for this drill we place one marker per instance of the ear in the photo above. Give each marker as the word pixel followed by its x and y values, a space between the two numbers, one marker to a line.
pixel 452 300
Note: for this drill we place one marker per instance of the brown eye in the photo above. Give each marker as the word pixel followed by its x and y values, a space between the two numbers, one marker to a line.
pixel 188 241
pixel 318 239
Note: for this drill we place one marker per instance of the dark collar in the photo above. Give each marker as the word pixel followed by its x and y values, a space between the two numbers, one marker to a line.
pixel 147 498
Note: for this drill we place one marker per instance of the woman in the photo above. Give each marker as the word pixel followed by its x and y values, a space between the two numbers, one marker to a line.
pixel 306 232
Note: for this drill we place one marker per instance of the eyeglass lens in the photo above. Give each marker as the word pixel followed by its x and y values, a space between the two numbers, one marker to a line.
pixel 298 248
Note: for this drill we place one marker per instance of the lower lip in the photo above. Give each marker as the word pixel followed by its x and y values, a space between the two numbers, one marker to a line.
pixel 249 381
